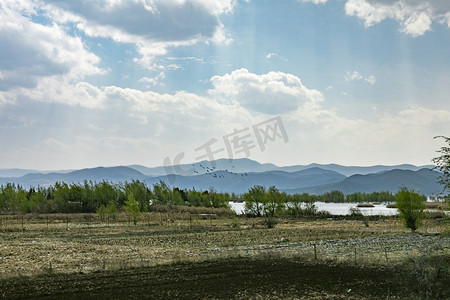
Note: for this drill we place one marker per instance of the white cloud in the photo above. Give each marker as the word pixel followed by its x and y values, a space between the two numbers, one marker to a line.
pixel 153 81
pixel 371 79
pixel 414 16
pixel 271 93
pixel 136 21
pixel 58 90
pixel 315 1
pixel 355 75
pixel 274 55
pixel 153 25
pixel 84 125
pixel 402 137
pixel 89 126
pixel 31 51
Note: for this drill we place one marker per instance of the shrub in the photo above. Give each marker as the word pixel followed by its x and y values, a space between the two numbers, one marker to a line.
pixel 111 210
pixel 270 222
pixel 101 212
pixel 411 207
pixel 355 212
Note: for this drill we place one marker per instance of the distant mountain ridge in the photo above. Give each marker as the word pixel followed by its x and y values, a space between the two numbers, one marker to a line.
pixel 114 174
pixel 352 170
pixel 238 175
pixel 22 172
pixel 239 165
pixel 247 165
pixel 424 181
pixel 227 181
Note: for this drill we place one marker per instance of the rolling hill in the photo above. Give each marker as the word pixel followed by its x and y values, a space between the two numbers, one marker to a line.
pixel 423 181
pixel 353 170
pixel 114 174
pixel 239 165
pixel 226 181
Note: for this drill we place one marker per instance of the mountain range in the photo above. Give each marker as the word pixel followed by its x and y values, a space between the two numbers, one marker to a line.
pixel 238 175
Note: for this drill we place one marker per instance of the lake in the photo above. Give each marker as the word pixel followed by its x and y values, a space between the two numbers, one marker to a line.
pixel 336 208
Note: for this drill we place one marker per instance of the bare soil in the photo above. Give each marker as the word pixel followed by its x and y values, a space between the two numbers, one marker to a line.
pixel 238 278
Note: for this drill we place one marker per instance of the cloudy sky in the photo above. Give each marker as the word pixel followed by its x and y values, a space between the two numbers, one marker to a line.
pixel 114 82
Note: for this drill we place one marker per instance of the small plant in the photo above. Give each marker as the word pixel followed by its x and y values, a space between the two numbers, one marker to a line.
pixel 310 208
pixel 101 212
pixel 111 210
pixel 235 222
pixel 270 222
pixel 355 212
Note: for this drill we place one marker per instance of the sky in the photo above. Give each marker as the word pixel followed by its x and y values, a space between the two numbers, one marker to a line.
pixel 91 83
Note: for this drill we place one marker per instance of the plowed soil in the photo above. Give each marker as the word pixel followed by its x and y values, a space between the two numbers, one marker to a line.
pixel 240 278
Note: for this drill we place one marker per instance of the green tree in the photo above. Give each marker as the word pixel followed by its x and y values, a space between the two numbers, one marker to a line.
pixel 443 165
pixel 61 198
pixel 76 196
pixel 140 192
pixel 88 201
pixel 22 200
pixel 301 204
pixel 37 201
pixel 410 206
pixel 194 198
pixel 333 197
pixel 164 195
pixel 254 199
pixel 101 212
pixel 111 210
pixel 310 206
pixel 104 192
pixel 356 197
pixel 273 202
pixel 132 208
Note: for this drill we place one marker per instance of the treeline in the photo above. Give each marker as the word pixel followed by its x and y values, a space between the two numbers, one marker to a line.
pixel 339 197
pixel 88 197
pixel 333 197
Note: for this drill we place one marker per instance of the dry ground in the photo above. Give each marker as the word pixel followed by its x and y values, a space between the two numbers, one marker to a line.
pixel 78 256
pixel 36 246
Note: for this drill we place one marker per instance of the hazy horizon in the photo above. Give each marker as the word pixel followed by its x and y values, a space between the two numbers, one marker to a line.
pixel 108 83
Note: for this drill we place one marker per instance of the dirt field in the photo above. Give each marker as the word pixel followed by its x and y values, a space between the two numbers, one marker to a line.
pixel 80 257
pixel 222 279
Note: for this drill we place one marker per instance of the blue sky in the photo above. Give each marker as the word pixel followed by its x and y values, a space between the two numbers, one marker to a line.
pixel 111 82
